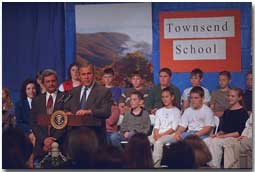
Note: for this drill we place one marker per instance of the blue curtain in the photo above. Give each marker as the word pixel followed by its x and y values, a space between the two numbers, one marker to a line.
pixel 33 39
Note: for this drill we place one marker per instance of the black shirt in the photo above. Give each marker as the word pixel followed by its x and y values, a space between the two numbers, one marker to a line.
pixel 248 100
pixel 234 120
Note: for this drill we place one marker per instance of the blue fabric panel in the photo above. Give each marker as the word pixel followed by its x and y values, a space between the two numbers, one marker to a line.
pixel 33 39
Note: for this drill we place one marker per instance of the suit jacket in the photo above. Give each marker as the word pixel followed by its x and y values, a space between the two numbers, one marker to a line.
pixel 22 111
pixel 41 132
pixel 99 101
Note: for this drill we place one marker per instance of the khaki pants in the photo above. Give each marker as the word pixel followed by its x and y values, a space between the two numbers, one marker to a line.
pixel 158 148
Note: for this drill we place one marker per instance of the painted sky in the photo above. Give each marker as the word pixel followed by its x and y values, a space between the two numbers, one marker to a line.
pixel 133 19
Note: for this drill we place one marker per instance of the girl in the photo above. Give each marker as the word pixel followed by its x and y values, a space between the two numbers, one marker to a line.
pixel 166 121
pixel 233 123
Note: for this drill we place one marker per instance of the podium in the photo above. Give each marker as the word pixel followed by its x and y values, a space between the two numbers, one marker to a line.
pixel 68 120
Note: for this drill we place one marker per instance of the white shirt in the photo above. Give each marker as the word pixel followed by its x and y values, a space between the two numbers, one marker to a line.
pixel 54 96
pixel 29 102
pixel 186 94
pixel 196 119
pixel 248 128
pixel 88 90
pixel 167 118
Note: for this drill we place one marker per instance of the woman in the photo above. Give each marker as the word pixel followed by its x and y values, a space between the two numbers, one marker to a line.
pixel 23 107
pixel 7 110
pixel 138 152
pixel 74 81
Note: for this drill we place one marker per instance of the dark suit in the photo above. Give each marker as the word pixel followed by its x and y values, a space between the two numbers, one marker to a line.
pixel 99 102
pixel 22 111
pixel 41 132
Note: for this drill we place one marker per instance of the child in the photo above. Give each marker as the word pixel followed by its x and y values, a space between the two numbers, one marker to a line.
pixel 233 123
pixel 166 121
pixel 196 76
pixel 219 102
pixel 108 78
pixel 137 83
pixel 198 118
pixel 135 121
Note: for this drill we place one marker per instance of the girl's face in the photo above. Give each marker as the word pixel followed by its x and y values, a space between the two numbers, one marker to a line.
pixel 167 98
pixel 233 97
pixel 30 90
pixel 74 73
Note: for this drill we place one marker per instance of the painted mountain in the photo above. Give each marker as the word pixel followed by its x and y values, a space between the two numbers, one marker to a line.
pixel 105 48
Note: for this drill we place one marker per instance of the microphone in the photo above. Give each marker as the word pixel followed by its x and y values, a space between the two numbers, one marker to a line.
pixel 61 99
pixel 69 96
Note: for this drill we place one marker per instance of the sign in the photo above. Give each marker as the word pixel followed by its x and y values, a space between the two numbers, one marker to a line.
pixel 209 40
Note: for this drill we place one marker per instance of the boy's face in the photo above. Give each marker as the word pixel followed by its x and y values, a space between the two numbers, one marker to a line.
pixel 233 97
pixel 135 102
pixel 195 80
pixel 167 98
pixel 196 100
pixel 107 79
pixel 136 81
pixel 249 81
pixel 164 79
pixel 223 81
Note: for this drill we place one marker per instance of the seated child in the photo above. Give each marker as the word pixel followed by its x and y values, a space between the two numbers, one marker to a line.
pixel 166 121
pixel 135 121
pixel 196 77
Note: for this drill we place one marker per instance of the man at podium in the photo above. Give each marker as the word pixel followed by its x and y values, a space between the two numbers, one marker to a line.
pixel 46 104
pixel 91 100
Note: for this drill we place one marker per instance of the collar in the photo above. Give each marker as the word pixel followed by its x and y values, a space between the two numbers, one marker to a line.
pixel 88 87
pixel 140 114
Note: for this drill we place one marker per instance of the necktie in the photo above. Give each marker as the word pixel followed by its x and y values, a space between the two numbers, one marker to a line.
pixel 50 105
pixel 83 98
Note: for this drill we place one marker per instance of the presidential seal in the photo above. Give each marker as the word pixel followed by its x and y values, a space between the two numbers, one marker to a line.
pixel 58 120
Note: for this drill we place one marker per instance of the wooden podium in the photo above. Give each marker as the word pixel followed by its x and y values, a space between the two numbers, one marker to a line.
pixel 72 120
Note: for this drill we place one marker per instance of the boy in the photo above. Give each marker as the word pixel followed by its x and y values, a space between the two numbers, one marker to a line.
pixel 248 93
pixel 198 118
pixel 196 76
pixel 166 122
pixel 137 83
pixel 135 121
pixel 108 78
pixel 219 102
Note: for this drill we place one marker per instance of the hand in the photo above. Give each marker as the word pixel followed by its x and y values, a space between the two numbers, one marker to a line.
pixel 32 138
pixel 242 137
pixel 153 111
pixel 83 112
pixel 126 134
pixel 177 137
pixel 47 143
pixel 69 113
pixel 220 136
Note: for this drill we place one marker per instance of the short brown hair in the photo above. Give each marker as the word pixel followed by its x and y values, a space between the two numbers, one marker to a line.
pixel 199 90
pixel 48 72
pixel 166 70
pixel 225 73
pixel 87 64
pixel 198 72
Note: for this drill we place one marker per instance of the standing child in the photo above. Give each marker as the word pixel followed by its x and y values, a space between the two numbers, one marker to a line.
pixel 135 121
pixel 196 77
pixel 219 102
pixel 166 122
pixel 233 123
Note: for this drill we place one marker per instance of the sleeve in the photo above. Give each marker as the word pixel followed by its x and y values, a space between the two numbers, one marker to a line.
pixel 103 110
pixel 184 95
pixel 177 119
pixel 146 123
pixel 212 97
pixel 178 97
pixel 157 120
pixel 21 123
pixel 124 124
pixel 150 101
pixel 184 119
pixel 243 118
pixel 207 95
pixel 209 119
pixel 113 119
pixel 248 128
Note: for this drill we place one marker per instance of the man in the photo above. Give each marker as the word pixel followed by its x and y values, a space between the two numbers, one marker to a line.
pixel 248 93
pixel 154 99
pixel 91 99
pixel 46 104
